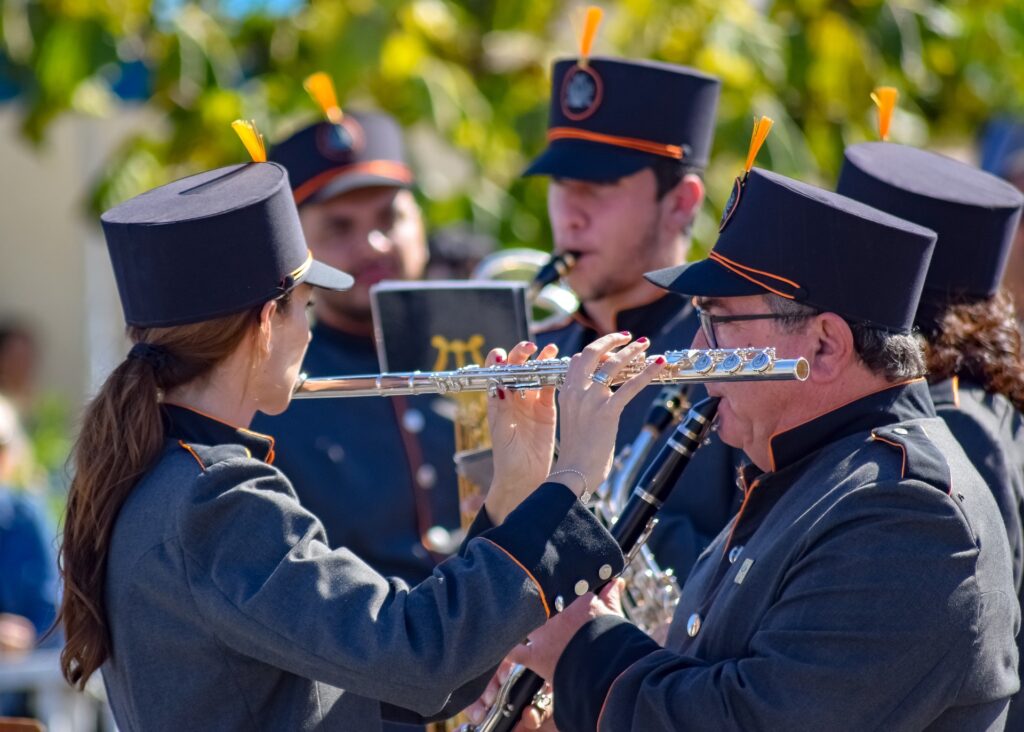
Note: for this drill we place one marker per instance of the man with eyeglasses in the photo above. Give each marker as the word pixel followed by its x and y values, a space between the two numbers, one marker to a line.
pixel 624 192
pixel 866 581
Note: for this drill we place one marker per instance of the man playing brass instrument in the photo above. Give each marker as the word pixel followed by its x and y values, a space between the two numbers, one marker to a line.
pixel 627 145
pixel 866 581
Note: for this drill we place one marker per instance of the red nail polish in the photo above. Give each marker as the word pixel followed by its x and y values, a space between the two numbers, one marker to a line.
pixel 641 340
pixel 499 358
pixel 531 344
pixel 624 332
pixel 501 393
pixel 659 360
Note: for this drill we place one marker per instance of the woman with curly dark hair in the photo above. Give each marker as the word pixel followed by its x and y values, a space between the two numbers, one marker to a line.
pixel 975 364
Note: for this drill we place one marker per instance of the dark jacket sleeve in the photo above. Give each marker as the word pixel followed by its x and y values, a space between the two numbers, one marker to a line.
pixel 263 577
pixel 887 591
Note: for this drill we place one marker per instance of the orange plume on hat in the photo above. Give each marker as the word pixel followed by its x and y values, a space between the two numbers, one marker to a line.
pixel 761 129
pixel 321 88
pixel 591 22
pixel 251 138
pixel 885 98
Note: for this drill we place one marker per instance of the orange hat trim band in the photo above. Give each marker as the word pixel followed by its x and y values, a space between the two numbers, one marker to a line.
pixel 746 273
pixel 386 168
pixel 632 143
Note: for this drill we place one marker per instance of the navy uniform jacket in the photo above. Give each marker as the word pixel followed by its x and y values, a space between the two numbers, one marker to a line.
pixel 706 496
pixel 991 432
pixel 229 611
pixel 866 585
pixel 377 472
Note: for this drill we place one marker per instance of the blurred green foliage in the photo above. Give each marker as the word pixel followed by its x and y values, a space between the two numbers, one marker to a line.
pixel 469 80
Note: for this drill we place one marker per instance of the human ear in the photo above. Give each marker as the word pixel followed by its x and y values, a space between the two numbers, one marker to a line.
pixel 832 348
pixel 266 329
pixel 685 201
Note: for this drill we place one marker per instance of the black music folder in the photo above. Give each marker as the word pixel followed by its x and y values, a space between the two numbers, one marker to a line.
pixel 442 325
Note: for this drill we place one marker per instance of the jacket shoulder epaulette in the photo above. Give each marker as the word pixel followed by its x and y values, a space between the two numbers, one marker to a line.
pixel 922 460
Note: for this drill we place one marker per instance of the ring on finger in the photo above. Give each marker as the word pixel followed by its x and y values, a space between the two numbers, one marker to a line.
pixel 601 377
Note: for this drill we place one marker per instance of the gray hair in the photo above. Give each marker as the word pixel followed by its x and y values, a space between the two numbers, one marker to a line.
pixel 896 356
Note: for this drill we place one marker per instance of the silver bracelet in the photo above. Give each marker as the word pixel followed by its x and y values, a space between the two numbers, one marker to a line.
pixel 585 496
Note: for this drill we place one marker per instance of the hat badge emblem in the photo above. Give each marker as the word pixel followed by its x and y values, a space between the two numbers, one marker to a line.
pixel 581 93
pixel 761 128
pixel 340 141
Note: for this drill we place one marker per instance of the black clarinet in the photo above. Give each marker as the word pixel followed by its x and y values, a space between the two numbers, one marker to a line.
pixel 630 531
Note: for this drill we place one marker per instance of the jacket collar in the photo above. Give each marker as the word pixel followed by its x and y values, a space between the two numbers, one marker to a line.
pixel 190 426
pixel 946 393
pixel 896 403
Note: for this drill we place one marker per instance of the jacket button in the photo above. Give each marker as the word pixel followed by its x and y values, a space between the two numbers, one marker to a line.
pixel 413 421
pixel 605 572
pixel 900 430
pixel 581 587
pixel 693 625
pixel 734 554
pixel 426 476
pixel 559 603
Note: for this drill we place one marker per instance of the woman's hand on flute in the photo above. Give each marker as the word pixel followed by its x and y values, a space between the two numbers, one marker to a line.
pixel 590 410
pixel 522 433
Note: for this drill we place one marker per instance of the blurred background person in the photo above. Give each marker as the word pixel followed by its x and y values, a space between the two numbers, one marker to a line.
pixel 352 184
pixel 29 590
pixel 19 364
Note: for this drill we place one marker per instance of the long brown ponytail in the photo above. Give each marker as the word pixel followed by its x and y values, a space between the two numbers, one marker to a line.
pixel 121 436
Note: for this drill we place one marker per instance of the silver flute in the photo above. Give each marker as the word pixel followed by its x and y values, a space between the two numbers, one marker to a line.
pixel 691 365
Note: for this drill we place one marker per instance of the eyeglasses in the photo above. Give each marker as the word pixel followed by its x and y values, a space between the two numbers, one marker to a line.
pixel 707 321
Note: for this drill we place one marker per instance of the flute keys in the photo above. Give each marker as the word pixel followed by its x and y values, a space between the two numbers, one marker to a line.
pixel 581 588
pixel 605 572
pixel 703 364
pixel 730 364
pixel 761 362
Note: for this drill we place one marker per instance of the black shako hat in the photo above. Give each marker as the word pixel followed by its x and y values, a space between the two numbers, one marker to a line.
pixel 610 118
pixel 975 215
pixel 363 150
pixel 813 246
pixel 210 245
